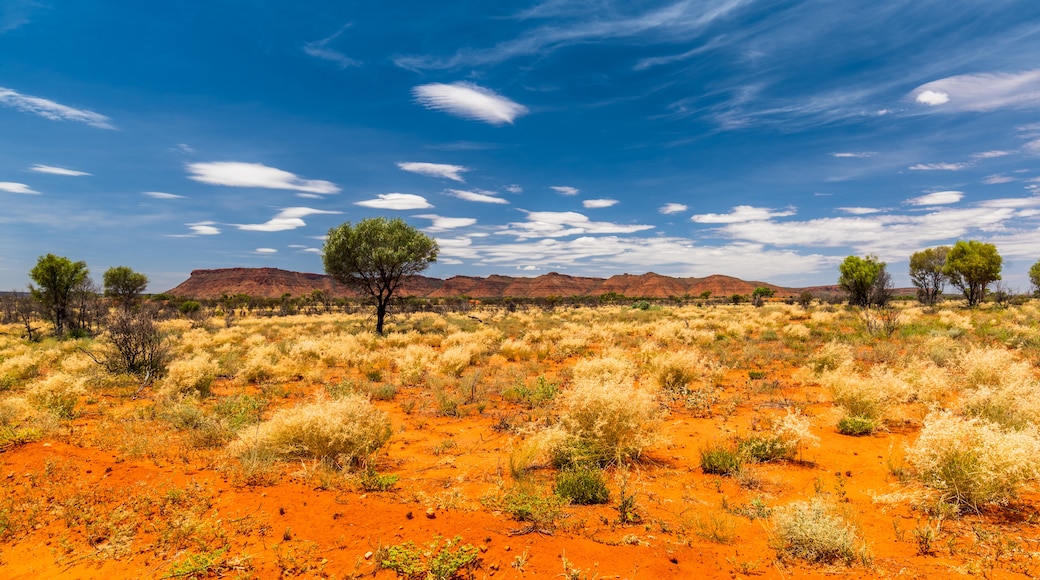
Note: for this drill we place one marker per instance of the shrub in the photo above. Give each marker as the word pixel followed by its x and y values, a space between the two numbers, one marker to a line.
pixel 721 459
pixel 856 425
pixel 346 430
pixel 136 345
pixel 814 532
pixel 606 419
pixel 673 372
pixel 973 463
pixel 58 394
pixel 192 377
pixel 525 502
pixel 582 486
pixel 764 449
pixel 442 561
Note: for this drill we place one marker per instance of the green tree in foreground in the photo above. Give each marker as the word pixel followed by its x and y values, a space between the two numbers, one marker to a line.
pixel 972 266
pixel 760 294
pixel 124 285
pixel 858 278
pixel 57 279
pixel 374 256
pixel 927 273
pixel 1034 277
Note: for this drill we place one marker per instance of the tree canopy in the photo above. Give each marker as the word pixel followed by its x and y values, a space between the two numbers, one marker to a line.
pixel 972 266
pixel 927 273
pixel 1034 277
pixel 375 255
pixel 858 278
pixel 57 279
pixel 123 284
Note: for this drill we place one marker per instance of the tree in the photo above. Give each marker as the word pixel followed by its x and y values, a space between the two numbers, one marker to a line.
pixel 58 278
pixel 124 285
pixel 1034 277
pixel 882 289
pixel 374 256
pixel 926 272
pixel 760 294
pixel 858 277
pixel 972 266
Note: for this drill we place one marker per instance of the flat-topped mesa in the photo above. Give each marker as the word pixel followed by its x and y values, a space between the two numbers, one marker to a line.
pixel 274 283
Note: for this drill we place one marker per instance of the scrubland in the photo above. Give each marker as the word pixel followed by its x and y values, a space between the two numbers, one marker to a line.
pixel 670 441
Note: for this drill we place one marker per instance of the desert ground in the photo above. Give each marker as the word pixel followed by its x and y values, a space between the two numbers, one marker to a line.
pixel 626 441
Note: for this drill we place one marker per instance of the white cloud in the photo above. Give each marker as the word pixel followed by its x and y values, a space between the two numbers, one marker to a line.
pixel 398 201
pixel 289 218
pixel 51 110
pixel 12 187
pixel 598 203
pixel 741 213
pixel 238 174
pixel 859 210
pixel 443 224
pixel 57 170
pixel 266 251
pixel 997 178
pixel 469 101
pixel 514 188
pixel 320 49
pixel 932 98
pixel 938 166
pixel 853 154
pixel 982 92
pixel 434 169
pixel 204 228
pixel 937 198
pixel 565 189
pixel 991 154
pixel 161 195
pixel 670 208
pixel 553 224
pixel 1033 147
pixel 478 196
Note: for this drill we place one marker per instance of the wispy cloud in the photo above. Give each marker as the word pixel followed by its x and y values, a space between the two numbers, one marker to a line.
pixel 204 228
pixel 478 196
pixel 514 188
pixel 854 154
pixel 997 178
pixel 859 210
pixel 396 201
pixel 238 174
pixel 443 224
pixel 266 251
pixel 15 13
pixel 320 49
pixel 938 166
pixel 12 187
pixel 991 154
pixel 981 92
pixel 469 101
pixel 162 195
pixel 442 170
pixel 937 198
pixel 57 170
pixel 51 110
pixel 670 208
pixel 598 203
pixel 289 218
pixel 565 189
pixel 554 224
pixel 742 213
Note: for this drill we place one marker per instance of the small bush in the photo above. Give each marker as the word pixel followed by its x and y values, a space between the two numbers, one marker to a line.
pixel 582 486
pixel 764 449
pixel 721 459
pixel 58 394
pixel 371 480
pixel 973 463
pixel 526 502
pixel 435 561
pixel 136 345
pixel 346 430
pixel 856 426
pixel 813 531
pixel 192 377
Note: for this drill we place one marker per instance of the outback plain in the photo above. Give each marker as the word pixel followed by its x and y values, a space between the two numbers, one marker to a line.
pixel 634 440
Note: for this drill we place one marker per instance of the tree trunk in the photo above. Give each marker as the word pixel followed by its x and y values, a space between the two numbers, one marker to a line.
pixel 380 314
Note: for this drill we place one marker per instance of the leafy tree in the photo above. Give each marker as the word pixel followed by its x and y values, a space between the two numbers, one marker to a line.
pixel 375 256
pixel 124 285
pixel 1034 277
pixel 858 278
pixel 805 299
pixel 882 289
pixel 926 272
pixel 760 294
pixel 972 266
pixel 58 278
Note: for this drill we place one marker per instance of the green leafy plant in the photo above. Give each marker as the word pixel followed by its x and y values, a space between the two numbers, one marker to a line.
pixel 721 459
pixel 582 486
pixel 435 561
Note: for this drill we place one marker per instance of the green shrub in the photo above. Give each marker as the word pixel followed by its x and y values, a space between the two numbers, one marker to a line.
pixel 856 426
pixel 764 449
pixel 435 561
pixel 582 486
pixel 721 459
pixel 371 480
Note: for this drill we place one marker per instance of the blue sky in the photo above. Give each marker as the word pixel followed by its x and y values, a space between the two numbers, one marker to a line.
pixel 760 139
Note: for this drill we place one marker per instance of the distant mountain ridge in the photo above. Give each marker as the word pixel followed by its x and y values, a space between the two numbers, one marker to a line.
pixel 274 283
